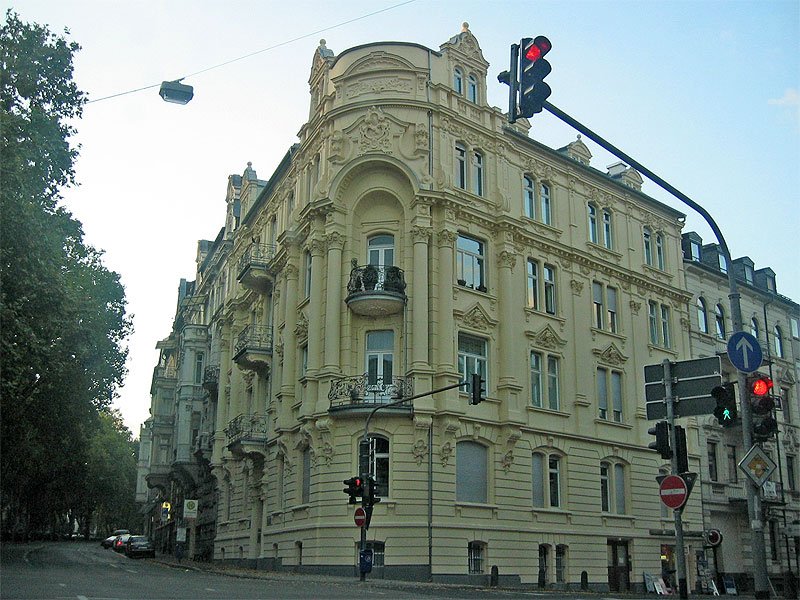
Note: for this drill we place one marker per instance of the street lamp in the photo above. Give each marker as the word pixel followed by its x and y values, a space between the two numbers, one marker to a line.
pixel 176 92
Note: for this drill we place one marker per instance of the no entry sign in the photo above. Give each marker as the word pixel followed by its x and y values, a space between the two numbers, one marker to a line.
pixel 360 517
pixel 673 491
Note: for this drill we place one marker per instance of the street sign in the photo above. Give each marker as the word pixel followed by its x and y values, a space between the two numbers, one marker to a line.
pixel 692 382
pixel 360 517
pixel 673 491
pixel 744 352
pixel 365 560
pixel 190 509
pixel 713 537
pixel 757 465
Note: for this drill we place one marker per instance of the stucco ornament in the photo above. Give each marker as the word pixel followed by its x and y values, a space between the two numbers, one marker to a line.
pixel 445 453
pixel 420 451
pixel 375 133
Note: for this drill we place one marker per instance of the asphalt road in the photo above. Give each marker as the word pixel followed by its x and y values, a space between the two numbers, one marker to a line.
pixel 85 571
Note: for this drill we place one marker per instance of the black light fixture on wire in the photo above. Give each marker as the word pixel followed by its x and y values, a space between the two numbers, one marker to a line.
pixel 176 92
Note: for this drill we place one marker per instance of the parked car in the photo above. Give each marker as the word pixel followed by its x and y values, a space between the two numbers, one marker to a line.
pixel 109 541
pixel 120 541
pixel 140 545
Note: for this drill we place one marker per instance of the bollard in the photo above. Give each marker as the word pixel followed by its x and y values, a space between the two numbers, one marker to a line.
pixel 494 577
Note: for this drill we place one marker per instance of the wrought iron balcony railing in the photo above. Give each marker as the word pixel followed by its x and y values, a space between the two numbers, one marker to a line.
pixel 166 373
pixel 366 391
pixel 255 338
pixel 374 278
pixel 211 378
pixel 256 255
pixel 247 428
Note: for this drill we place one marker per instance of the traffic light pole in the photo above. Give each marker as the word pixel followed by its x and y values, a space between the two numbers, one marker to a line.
pixel 363 544
pixel 680 554
pixel 760 578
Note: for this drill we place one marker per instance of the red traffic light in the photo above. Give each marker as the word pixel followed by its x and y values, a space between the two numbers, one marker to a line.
pixel 540 46
pixel 761 386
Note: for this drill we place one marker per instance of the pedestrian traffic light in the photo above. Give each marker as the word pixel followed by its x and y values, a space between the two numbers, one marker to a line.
pixel 476 389
pixel 533 68
pixel 725 410
pixel 661 443
pixel 370 489
pixel 354 489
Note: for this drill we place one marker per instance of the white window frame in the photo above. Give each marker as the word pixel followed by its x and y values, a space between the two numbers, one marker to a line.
pixel 472 88
pixel 471 262
pixel 610 391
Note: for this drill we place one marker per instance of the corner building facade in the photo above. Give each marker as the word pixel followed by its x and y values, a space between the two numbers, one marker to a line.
pixel 411 238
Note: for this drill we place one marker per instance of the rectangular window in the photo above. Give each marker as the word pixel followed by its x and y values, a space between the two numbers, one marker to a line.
pixel 550 289
pixel 306 493
pixel 712 461
pixel 307 274
pixel 605 488
pixel 477 173
pixel 592 210
pixel 608 232
pixel 665 337
pixel 652 319
pixel 533 285
pixel 790 473
pixel 660 258
pixel 471 472
pixel 611 299
pixel 537 477
pixel 198 368
pixel 616 395
pixel 461 167
pixel 470 261
pixel 619 489
pixel 602 392
pixel 544 197
pixel 554 481
pixel 648 246
pixel 471 357
pixel 536 379
pixel 528 200
pixel 597 300
pixel 561 563
pixel 552 383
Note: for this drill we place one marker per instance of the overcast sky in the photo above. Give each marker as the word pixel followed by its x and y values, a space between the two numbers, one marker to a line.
pixel 705 94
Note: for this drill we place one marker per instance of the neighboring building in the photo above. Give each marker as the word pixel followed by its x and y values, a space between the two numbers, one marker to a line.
pixel 773 320
pixel 411 238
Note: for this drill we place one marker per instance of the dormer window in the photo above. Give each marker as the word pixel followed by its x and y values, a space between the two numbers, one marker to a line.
pixel 748 274
pixel 723 264
pixel 694 249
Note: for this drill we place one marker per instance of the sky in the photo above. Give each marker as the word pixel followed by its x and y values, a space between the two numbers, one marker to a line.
pixel 706 94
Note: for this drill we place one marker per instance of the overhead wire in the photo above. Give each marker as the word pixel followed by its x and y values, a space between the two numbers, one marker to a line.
pixel 278 45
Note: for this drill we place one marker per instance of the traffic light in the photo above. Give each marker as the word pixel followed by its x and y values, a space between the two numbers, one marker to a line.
pixel 726 404
pixel 661 443
pixel 476 389
pixel 369 491
pixel 533 68
pixel 355 489
pixel 762 404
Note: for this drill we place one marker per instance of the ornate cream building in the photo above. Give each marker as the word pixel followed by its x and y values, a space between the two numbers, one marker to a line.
pixel 411 238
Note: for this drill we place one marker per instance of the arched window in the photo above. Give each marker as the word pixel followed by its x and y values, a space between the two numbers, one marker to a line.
pixel 546 480
pixel 458 81
pixel 380 250
pixel 612 488
pixel 719 320
pixel 544 199
pixel 472 89
pixel 754 327
pixel 660 258
pixel 471 472
pixel 702 316
pixel 777 335
pixel 608 230
pixel 647 241
pixel 461 167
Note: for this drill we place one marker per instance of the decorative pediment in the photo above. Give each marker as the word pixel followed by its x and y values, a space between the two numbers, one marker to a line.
pixel 466 45
pixel 787 377
pixel 476 317
pixel 380 61
pixel 376 131
pixel 611 355
pixel 547 338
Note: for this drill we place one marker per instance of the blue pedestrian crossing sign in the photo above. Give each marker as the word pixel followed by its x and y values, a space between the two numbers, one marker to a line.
pixel 744 352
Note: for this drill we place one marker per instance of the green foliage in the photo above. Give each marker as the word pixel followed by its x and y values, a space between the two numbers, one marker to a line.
pixel 63 324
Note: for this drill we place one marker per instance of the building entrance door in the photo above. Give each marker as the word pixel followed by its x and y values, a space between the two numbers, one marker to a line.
pixel 619 579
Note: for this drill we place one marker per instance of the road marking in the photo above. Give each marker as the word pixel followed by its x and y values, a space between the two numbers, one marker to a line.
pixel 82 598
pixel 63 584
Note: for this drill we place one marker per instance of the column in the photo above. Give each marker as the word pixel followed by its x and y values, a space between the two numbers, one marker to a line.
pixel 508 387
pixel 419 300
pixel 445 347
pixel 333 302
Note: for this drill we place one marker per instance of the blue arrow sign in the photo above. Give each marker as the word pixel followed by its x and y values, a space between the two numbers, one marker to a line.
pixel 744 352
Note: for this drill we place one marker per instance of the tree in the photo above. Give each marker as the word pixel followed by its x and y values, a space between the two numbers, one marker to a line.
pixel 63 324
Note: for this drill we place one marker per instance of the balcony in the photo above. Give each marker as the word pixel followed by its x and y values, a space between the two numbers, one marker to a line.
pixel 167 373
pixel 253 271
pixel 376 291
pixel 158 477
pixel 365 392
pixel 247 434
pixel 253 349
pixel 211 379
